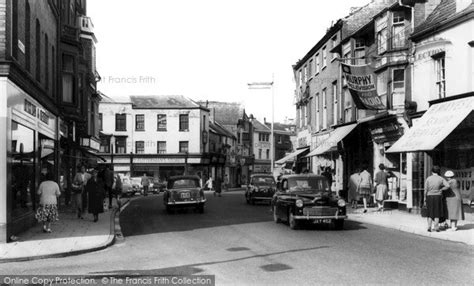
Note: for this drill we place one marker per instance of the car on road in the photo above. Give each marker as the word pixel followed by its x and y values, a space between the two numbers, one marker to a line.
pixel 262 187
pixel 157 186
pixel 184 192
pixel 307 197
pixel 127 189
pixel 137 184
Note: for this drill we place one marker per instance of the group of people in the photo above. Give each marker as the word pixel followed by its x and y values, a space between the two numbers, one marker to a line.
pixel 442 196
pixel 442 199
pixel 216 185
pixel 361 186
pixel 88 189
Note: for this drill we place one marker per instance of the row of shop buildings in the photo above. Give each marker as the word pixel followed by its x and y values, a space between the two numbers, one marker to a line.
pixel 48 102
pixel 391 83
pixel 167 135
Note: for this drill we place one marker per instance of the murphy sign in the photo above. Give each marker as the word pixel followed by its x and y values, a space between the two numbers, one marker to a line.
pixel 361 83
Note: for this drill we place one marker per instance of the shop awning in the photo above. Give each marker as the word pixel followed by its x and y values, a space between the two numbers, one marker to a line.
pixel 331 142
pixel 434 126
pixel 291 157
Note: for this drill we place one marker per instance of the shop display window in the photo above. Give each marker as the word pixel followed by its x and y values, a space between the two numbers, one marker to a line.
pixel 22 169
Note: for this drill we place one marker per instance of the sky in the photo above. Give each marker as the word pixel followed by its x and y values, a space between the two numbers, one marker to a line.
pixel 210 49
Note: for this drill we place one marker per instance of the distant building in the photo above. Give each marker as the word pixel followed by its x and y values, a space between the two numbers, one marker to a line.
pixel 233 117
pixel 222 153
pixel 157 135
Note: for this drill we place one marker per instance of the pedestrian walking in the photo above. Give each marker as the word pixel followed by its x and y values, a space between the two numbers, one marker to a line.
pixel 328 174
pixel 218 187
pixel 118 185
pixel 352 187
pixel 226 182
pixel 108 183
pixel 365 185
pixel 209 185
pixel 434 187
pixel 145 184
pixel 381 186
pixel 96 195
pixel 78 185
pixel 47 211
pixel 453 201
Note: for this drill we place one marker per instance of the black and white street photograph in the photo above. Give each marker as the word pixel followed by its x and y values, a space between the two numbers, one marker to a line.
pixel 225 142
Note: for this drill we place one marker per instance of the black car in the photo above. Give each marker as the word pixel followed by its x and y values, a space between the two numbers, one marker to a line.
pixel 307 197
pixel 184 192
pixel 262 187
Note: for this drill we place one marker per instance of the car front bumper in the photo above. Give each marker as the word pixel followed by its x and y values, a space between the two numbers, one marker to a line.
pixel 314 217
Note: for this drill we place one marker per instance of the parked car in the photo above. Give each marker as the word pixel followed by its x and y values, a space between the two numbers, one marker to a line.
pixel 157 186
pixel 262 187
pixel 127 189
pixel 137 184
pixel 184 192
pixel 307 197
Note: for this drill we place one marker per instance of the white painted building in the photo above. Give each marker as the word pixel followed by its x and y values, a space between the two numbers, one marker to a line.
pixel 157 135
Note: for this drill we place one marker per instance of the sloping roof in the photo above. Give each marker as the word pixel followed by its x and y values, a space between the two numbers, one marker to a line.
pixel 162 101
pixel 219 129
pixel 443 13
pixel 259 126
pixel 114 99
pixel 364 16
pixel 280 127
pixel 226 113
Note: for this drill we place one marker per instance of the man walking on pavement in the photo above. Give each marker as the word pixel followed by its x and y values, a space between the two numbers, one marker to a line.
pixel 145 184
pixel 109 182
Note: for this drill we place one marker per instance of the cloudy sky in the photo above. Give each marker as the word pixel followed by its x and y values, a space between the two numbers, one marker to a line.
pixel 209 49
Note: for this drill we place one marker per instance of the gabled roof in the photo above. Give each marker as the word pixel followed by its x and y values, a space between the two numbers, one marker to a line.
pixel 226 113
pixel 259 126
pixel 444 13
pixel 163 101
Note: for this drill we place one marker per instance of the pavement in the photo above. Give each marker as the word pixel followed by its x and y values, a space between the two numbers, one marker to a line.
pixel 72 236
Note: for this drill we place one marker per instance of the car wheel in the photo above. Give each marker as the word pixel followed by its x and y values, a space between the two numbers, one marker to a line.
pixel 338 224
pixel 276 219
pixel 169 210
pixel 292 221
pixel 247 198
pixel 252 201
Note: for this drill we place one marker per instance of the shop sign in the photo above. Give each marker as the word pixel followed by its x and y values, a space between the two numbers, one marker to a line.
pixel 44 117
pixel 361 83
pixel 158 160
pixel 30 108
pixel 389 131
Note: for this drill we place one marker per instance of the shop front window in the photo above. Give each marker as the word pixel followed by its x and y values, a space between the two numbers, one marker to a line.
pixel 22 169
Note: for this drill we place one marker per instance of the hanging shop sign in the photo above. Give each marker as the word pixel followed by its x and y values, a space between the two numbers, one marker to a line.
pixel 386 132
pixel 361 83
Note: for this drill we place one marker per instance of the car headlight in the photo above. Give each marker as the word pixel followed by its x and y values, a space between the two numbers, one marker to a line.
pixel 341 203
pixel 299 203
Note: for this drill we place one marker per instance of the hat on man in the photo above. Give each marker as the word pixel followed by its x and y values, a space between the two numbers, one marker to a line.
pixel 449 174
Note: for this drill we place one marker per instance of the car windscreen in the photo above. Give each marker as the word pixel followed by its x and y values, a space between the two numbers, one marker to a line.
pixel 184 183
pixel 314 185
pixel 263 180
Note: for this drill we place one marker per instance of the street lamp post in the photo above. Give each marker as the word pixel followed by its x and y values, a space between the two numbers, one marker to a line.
pixel 268 85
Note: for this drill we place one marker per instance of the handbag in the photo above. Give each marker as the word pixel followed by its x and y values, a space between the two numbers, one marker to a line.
pixel 76 189
pixel 424 211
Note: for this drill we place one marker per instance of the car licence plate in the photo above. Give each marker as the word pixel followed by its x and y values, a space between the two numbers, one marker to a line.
pixel 322 221
pixel 185 195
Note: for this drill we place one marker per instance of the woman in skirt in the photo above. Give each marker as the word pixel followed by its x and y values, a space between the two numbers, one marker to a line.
pixel 453 201
pixel 434 187
pixel 365 185
pixel 48 211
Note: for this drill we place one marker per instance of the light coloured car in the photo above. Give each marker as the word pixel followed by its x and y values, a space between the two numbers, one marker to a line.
pixel 127 189
pixel 137 184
